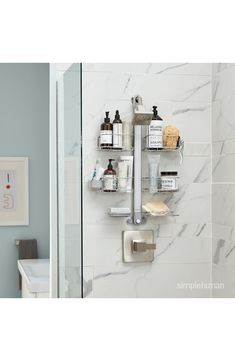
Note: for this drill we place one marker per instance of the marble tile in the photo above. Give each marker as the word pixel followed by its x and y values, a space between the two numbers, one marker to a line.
pixel 153 88
pixel 195 170
pixel 193 120
pixel 223 148
pixel 219 67
pixel 223 85
pixel 223 168
pixel 223 205
pixel 103 248
pixel 178 230
pixel 106 247
pixel 158 280
pixel 189 230
pixel 182 68
pixel 223 123
pixel 225 232
pixel 223 244
pixel 223 195
pixel 224 275
pixel 183 250
pixel 224 251
pixel 117 67
pixel 151 68
pixel 197 149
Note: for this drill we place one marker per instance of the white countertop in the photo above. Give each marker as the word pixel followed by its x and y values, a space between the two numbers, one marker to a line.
pixel 36 274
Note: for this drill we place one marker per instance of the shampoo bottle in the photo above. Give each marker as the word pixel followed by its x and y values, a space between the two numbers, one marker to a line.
pixel 154 139
pixel 110 178
pixel 106 133
pixel 117 131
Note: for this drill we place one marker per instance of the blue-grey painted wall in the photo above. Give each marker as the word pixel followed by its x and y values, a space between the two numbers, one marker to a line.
pixel 24 132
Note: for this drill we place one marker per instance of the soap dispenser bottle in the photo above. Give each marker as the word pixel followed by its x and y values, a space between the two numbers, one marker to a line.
pixel 154 139
pixel 117 131
pixel 110 178
pixel 106 133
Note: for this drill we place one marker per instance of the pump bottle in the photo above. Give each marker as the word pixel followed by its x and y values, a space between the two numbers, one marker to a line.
pixel 106 133
pixel 117 131
pixel 110 178
pixel 154 139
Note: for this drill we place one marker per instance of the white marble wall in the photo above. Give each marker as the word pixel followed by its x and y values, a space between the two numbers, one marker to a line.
pixel 182 93
pixel 223 177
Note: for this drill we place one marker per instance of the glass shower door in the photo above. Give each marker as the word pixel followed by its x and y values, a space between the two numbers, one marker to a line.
pixel 69 183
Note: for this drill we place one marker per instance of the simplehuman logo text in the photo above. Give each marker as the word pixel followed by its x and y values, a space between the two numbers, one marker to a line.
pixel 199 285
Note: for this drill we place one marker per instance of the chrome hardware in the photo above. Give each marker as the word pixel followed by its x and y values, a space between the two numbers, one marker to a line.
pixel 138 246
pixel 141 246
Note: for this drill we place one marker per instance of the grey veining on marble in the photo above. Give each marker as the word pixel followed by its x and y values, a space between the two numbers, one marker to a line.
pixel 187 110
pixel 194 90
pixel 170 67
pixel 183 69
pixel 108 274
pixel 220 244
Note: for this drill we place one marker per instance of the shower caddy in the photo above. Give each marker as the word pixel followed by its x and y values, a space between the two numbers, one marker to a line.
pixel 138 216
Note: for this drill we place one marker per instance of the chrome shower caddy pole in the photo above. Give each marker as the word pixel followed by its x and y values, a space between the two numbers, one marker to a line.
pixel 137 200
pixel 140 118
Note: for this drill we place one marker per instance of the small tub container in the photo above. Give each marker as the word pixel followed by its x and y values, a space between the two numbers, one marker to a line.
pixel 169 181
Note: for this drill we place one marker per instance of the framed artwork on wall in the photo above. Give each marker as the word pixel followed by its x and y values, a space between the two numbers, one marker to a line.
pixel 14 191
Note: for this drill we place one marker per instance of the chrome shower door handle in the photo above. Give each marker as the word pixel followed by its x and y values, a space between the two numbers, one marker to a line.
pixel 142 246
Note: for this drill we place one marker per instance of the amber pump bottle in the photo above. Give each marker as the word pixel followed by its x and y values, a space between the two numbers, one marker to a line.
pixel 106 133
pixel 110 178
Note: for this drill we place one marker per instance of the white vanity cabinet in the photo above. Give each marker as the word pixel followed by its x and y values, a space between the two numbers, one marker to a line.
pixel 35 278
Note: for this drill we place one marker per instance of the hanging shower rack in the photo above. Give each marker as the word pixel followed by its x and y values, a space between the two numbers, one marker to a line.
pixel 138 216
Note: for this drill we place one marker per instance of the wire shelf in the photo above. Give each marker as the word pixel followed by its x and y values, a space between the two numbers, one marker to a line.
pixel 180 147
pixel 98 186
pixel 124 148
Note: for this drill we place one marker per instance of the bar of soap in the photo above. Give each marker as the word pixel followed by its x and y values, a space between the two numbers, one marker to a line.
pixel 156 207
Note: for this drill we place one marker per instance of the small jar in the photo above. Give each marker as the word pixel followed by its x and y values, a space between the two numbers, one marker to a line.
pixel 169 181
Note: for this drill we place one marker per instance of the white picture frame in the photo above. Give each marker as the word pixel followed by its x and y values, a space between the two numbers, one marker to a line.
pixel 14 191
